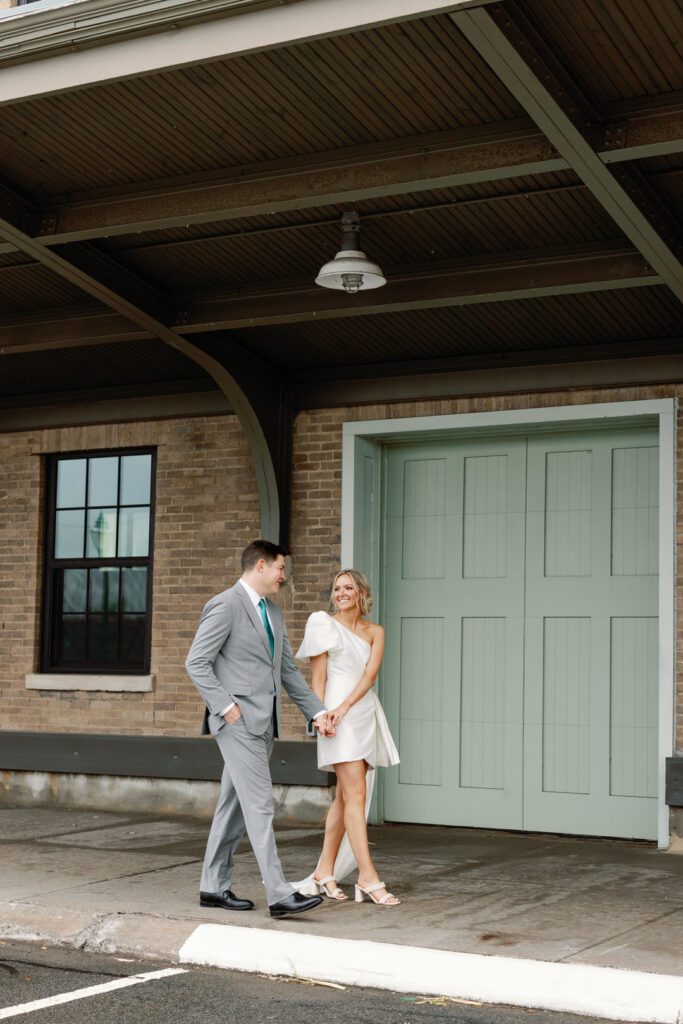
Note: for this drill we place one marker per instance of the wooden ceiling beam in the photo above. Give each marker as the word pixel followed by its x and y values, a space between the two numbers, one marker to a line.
pixel 534 274
pixel 66 328
pixel 447 159
pixel 641 128
pixel 569 270
pixel 535 77
pixel 461 156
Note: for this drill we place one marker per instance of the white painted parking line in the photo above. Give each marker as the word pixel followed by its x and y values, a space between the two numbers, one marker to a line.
pixel 86 993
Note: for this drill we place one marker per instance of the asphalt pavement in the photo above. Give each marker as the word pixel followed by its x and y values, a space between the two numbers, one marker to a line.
pixel 29 974
pixel 574 925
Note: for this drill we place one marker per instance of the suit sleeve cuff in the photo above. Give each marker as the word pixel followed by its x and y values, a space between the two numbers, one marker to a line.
pixel 225 710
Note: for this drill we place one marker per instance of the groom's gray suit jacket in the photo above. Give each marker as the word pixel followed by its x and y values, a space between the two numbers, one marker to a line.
pixel 230 660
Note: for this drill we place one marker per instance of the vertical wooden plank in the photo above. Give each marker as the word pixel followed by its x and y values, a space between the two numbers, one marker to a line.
pixel 633 706
pixel 568 513
pixel 485 505
pixel 635 511
pixel 566 705
pixel 421 701
pixel 424 508
pixel 482 718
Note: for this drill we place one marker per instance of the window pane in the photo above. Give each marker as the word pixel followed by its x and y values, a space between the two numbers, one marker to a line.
pixel 103 481
pixel 132 649
pixel 133 532
pixel 134 589
pixel 69 533
pixel 135 479
pixel 103 639
pixel 71 639
pixel 104 590
pixel 70 483
pixel 74 590
pixel 101 533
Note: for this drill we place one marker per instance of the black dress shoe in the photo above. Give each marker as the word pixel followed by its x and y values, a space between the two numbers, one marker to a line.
pixel 227 900
pixel 297 903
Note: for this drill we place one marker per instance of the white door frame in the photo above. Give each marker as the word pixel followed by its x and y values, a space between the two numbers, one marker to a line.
pixel 659 412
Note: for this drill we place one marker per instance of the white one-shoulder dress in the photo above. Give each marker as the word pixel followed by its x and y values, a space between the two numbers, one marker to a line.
pixel 363 734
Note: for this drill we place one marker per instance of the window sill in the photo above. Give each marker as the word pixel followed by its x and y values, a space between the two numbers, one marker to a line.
pixel 111 684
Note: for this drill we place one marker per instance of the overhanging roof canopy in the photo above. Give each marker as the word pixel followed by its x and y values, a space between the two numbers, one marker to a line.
pixel 176 170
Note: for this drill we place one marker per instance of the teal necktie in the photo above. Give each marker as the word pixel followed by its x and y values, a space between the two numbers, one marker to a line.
pixel 266 626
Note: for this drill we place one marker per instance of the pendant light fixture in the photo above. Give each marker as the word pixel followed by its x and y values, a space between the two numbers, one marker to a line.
pixel 350 270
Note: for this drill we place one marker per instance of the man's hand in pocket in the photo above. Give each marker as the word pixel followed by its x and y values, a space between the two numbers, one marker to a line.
pixel 233 715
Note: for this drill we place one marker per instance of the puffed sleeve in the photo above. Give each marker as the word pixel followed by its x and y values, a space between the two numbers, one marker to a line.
pixel 321 636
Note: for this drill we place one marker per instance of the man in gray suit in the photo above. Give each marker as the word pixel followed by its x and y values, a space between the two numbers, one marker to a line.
pixel 238 658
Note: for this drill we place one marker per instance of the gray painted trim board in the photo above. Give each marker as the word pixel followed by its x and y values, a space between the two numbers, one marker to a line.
pixel 157 757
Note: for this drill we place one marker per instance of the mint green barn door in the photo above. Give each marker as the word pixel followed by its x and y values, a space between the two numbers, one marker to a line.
pixel 454 605
pixel 591 637
pixel 520 603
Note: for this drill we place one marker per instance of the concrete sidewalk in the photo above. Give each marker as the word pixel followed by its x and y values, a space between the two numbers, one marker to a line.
pixel 493 916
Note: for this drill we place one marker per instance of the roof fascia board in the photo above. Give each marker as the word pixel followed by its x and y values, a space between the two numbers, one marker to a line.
pixel 249 28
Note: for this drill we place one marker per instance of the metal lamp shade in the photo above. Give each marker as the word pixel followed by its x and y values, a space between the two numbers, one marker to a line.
pixel 350 271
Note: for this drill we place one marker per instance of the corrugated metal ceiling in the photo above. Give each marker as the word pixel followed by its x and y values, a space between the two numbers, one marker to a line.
pixel 545 323
pixel 27 288
pixel 404 79
pixel 418 235
pixel 125 364
pixel 618 49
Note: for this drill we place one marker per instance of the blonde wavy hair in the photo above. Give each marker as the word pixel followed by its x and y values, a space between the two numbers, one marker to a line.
pixel 362 589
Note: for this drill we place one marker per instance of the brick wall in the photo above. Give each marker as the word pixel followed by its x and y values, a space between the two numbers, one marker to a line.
pixel 206 511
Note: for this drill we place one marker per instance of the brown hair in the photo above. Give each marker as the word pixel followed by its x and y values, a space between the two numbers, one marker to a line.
pixel 259 549
pixel 362 589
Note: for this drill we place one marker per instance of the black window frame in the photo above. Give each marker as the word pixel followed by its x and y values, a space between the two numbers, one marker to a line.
pixel 51 565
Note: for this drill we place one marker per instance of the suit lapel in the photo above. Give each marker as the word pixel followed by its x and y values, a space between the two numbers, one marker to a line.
pixel 253 615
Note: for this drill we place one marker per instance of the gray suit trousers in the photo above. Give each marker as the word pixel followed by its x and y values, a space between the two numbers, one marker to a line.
pixel 245 801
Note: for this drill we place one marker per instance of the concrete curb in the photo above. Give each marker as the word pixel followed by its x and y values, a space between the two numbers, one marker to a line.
pixel 535 984
pixel 571 988
pixel 143 935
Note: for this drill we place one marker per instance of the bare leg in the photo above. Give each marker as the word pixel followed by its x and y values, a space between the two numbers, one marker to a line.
pixel 334 833
pixel 351 778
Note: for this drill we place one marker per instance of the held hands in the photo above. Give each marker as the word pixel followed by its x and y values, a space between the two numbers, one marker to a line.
pixel 336 716
pixel 324 724
pixel 327 724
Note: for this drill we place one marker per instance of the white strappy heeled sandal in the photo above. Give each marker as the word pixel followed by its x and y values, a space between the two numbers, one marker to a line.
pixel 388 900
pixel 328 887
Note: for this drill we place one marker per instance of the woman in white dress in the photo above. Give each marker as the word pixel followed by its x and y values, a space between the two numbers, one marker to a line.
pixel 345 652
